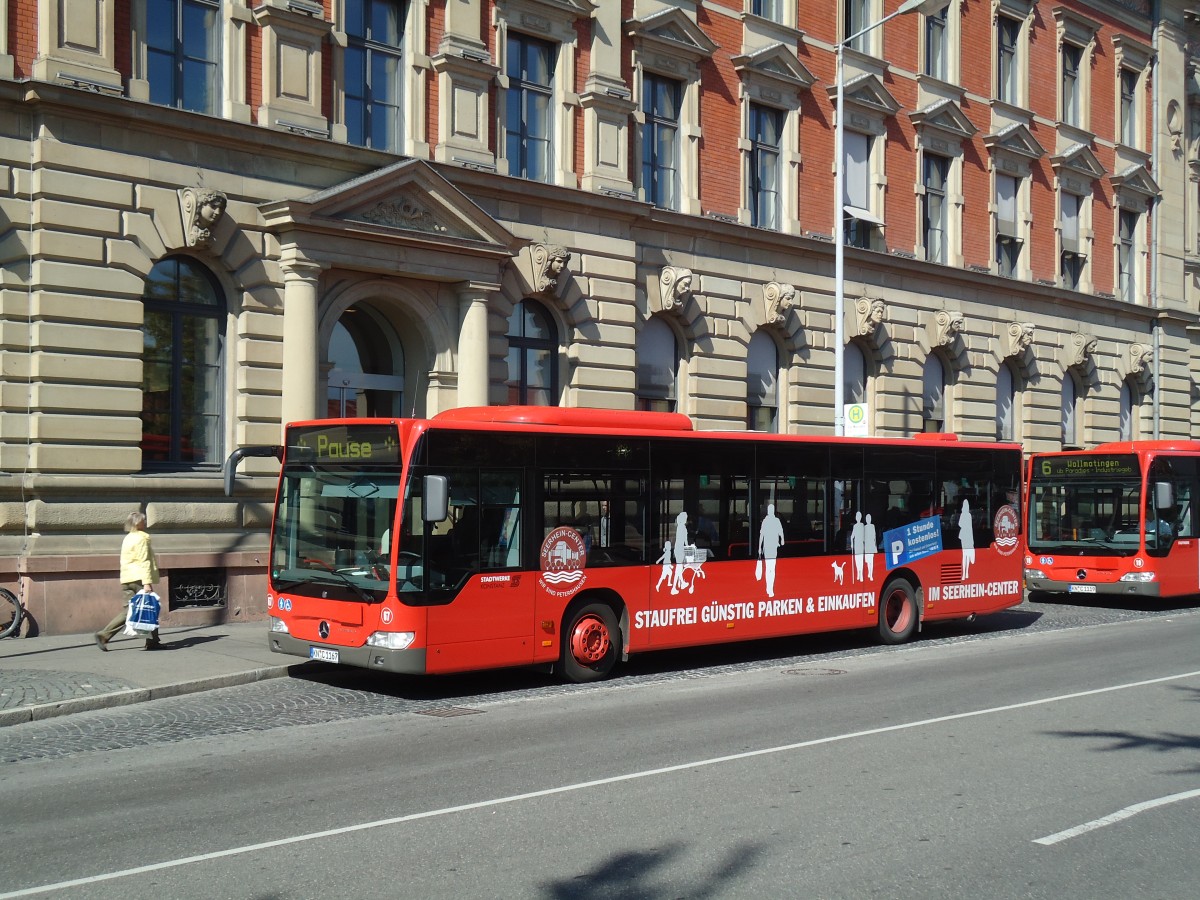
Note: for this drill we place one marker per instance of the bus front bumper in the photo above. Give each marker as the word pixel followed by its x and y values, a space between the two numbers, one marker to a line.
pixel 404 662
pixel 1094 588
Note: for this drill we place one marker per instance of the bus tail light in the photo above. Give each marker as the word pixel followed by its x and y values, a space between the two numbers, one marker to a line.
pixel 278 626
pixel 392 640
pixel 1138 577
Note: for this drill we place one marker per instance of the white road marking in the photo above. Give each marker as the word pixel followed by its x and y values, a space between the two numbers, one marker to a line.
pixel 1118 816
pixel 581 786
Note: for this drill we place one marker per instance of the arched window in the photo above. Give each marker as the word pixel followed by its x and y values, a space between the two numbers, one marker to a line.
pixel 933 393
pixel 762 384
pixel 1006 404
pixel 854 374
pixel 181 365
pixel 1128 420
pixel 657 367
pixel 1070 412
pixel 367 364
pixel 532 356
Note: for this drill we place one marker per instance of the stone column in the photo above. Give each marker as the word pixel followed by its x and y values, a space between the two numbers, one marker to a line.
pixel 301 347
pixel 473 344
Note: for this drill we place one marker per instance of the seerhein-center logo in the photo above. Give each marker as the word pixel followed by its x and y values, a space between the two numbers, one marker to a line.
pixel 563 556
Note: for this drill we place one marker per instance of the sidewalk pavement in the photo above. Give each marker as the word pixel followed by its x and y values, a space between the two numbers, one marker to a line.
pixel 43 677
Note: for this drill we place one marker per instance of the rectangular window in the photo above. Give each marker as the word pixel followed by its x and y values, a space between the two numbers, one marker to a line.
pixel 1071 56
pixel 936 173
pixel 1072 259
pixel 1008 32
pixel 768 9
pixel 1126 257
pixel 766 133
pixel 529 67
pixel 374 29
pixel 661 103
pixel 935 45
pixel 1008 243
pixel 1128 124
pixel 858 19
pixel 182 53
pixel 859 221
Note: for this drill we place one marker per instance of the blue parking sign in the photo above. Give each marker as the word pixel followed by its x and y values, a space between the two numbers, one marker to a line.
pixel 912 542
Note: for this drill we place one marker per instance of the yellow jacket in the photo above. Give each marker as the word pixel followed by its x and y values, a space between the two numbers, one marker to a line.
pixel 137 559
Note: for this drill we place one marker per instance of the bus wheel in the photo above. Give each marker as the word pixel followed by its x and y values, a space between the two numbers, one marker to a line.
pixel 897 612
pixel 590 639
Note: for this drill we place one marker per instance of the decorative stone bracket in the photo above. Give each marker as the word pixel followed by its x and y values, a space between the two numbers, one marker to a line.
pixel 945 328
pixel 202 208
pixel 549 264
pixel 778 298
pixel 675 288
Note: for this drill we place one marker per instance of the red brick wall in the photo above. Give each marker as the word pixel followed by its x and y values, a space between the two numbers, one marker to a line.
pixel 22 35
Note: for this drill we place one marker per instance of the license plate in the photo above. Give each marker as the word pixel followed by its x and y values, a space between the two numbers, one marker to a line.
pixel 1081 589
pixel 322 654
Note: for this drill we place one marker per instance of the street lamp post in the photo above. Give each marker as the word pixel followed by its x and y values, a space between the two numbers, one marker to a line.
pixel 839 198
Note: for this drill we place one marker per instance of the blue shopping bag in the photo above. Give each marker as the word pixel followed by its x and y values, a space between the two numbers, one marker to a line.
pixel 143 612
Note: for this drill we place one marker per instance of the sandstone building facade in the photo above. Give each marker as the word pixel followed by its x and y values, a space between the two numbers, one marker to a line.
pixel 217 216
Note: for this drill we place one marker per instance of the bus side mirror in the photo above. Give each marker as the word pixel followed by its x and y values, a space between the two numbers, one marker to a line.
pixel 1164 495
pixel 435 491
pixel 231 464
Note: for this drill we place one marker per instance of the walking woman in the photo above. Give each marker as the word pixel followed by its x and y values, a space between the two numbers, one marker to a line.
pixel 139 571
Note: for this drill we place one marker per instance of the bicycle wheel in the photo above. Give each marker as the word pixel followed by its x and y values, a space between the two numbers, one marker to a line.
pixel 11 613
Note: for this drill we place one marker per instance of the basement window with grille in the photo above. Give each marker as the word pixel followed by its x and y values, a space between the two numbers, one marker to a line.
pixel 197 589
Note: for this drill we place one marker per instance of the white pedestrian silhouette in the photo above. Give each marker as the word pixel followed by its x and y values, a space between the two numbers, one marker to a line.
pixel 668 571
pixel 858 543
pixel 770 539
pixel 681 540
pixel 870 544
pixel 966 534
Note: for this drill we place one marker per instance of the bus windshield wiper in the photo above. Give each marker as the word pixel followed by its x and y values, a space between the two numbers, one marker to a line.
pixel 345 579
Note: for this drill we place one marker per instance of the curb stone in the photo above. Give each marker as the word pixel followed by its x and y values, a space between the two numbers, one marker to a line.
pixel 42 711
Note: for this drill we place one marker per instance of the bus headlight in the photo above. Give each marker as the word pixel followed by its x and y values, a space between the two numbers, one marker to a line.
pixel 278 626
pixel 1138 577
pixel 392 640
pixel 1034 573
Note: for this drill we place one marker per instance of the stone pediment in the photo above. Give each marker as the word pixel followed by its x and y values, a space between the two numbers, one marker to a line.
pixel 946 117
pixel 1079 160
pixel 1135 181
pixel 867 92
pixel 777 63
pixel 670 31
pixel 1016 139
pixel 407 200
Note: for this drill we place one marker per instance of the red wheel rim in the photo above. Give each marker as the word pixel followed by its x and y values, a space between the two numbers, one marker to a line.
pixel 590 640
pixel 899 612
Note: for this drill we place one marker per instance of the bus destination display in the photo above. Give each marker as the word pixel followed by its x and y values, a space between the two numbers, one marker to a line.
pixel 374 444
pixel 1090 466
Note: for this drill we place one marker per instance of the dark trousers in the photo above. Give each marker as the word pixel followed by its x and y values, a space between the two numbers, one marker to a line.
pixel 129 588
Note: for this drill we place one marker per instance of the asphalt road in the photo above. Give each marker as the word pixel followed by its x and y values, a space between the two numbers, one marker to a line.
pixel 1053 751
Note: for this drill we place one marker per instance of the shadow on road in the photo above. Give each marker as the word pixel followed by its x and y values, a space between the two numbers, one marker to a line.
pixel 631 874
pixel 656 664
pixel 1125 604
pixel 1164 742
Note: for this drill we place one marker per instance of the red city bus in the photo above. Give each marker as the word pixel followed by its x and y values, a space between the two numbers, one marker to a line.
pixel 570 538
pixel 1114 520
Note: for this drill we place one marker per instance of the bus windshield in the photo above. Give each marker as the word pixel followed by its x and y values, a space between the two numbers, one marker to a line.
pixel 1090 504
pixel 333 519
